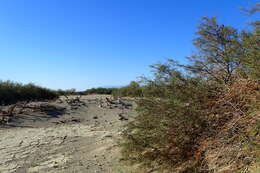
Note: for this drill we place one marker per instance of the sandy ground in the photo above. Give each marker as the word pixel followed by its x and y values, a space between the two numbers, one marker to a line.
pixel 83 140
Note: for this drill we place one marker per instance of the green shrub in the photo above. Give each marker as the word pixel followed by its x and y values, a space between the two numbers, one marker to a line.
pixel 11 92
pixel 167 128
pixel 100 91
pixel 132 90
pixel 186 108
pixel 68 92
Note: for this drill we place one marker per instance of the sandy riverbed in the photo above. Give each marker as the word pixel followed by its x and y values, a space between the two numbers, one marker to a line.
pixel 82 140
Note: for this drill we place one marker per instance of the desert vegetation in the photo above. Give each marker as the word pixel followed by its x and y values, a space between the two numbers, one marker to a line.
pixel 133 90
pixel 202 116
pixel 99 90
pixel 12 92
pixel 199 117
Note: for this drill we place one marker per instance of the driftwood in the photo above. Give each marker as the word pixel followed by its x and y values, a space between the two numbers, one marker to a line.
pixel 74 101
pixel 19 108
pixel 122 117
pixel 109 101
pixel 72 120
pixel 118 103
pixel 45 107
pixel 7 115
pixel 59 100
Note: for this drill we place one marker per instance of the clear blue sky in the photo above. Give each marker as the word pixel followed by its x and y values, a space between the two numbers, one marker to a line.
pixel 90 43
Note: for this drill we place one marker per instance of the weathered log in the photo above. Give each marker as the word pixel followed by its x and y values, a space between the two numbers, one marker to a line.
pixel 122 118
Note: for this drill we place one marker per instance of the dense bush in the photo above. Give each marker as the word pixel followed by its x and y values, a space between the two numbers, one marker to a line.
pixel 11 92
pixel 186 107
pixel 68 92
pixel 100 91
pixel 132 90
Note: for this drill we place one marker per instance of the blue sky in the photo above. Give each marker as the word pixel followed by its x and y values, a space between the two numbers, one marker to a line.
pixel 90 43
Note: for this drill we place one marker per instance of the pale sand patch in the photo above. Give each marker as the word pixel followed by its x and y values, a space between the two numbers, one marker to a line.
pixel 89 145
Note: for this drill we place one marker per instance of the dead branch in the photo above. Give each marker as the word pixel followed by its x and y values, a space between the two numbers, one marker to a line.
pixel 6 115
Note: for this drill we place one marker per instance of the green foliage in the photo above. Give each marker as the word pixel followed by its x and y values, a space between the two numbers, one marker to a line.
pixel 167 128
pixel 11 92
pixel 132 90
pixel 250 60
pixel 100 91
pixel 219 51
pixel 67 92
pixel 183 105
